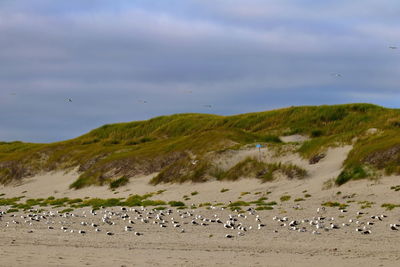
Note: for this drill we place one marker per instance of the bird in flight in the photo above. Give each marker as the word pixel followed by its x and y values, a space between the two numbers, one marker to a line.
pixel 336 74
pixel 207 106
pixel 393 47
pixel 142 101
pixel 68 100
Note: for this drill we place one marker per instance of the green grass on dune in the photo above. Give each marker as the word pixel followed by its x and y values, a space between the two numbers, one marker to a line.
pixel 251 167
pixel 166 144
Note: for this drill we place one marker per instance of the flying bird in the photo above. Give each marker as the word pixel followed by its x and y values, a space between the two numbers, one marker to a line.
pixel 68 100
pixel 142 101
pixel 336 74
pixel 393 47
pixel 207 106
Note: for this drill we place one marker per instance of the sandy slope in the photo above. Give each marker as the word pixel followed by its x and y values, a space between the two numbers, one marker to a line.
pixel 207 246
pixel 57 184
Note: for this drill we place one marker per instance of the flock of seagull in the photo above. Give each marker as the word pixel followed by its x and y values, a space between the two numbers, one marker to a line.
pixel 112 221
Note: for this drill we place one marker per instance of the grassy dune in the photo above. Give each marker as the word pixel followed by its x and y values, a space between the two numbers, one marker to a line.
pixel 168 144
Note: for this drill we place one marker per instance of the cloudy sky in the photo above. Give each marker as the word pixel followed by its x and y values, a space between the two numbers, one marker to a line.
pixel 125 60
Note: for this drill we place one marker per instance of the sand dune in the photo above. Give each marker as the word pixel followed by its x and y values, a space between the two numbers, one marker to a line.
pixel 273 245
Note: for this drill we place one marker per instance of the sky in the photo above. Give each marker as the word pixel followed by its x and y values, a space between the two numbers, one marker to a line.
pixel 127 60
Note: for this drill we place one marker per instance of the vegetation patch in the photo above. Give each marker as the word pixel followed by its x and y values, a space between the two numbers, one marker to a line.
pixel 390 206
pixel 251 167
pixel 353 173
pixel 335 204
pixel 365 204
pixel 119 182
pixel 12 210
pixel 264 208
pixel 205 204
pixel 176 204
pixel 395 188
pixel 285 198
pixel 259 203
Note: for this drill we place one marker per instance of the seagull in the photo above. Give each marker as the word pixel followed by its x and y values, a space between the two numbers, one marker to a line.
pixel 142 101
pixel 69 100
pixel 393 47
pixel 336 75
pixel 207 106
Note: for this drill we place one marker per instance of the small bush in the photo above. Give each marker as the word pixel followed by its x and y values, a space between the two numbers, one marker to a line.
pixel 176 204
pixel 239 204
pixel 355 173
pixel 366 204
pixel 159 192
pixel 205 204
pixel 12 210
pixel 334 204
pixel 223 190
pixel 75 200
pixel 285 198
pixel 264 208
pixel 390 206
pixel 395 188
pixel 119 182
pixel 316 133
pixel 194 193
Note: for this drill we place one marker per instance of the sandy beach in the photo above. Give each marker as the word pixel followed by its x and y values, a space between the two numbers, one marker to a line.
pixel 275 243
